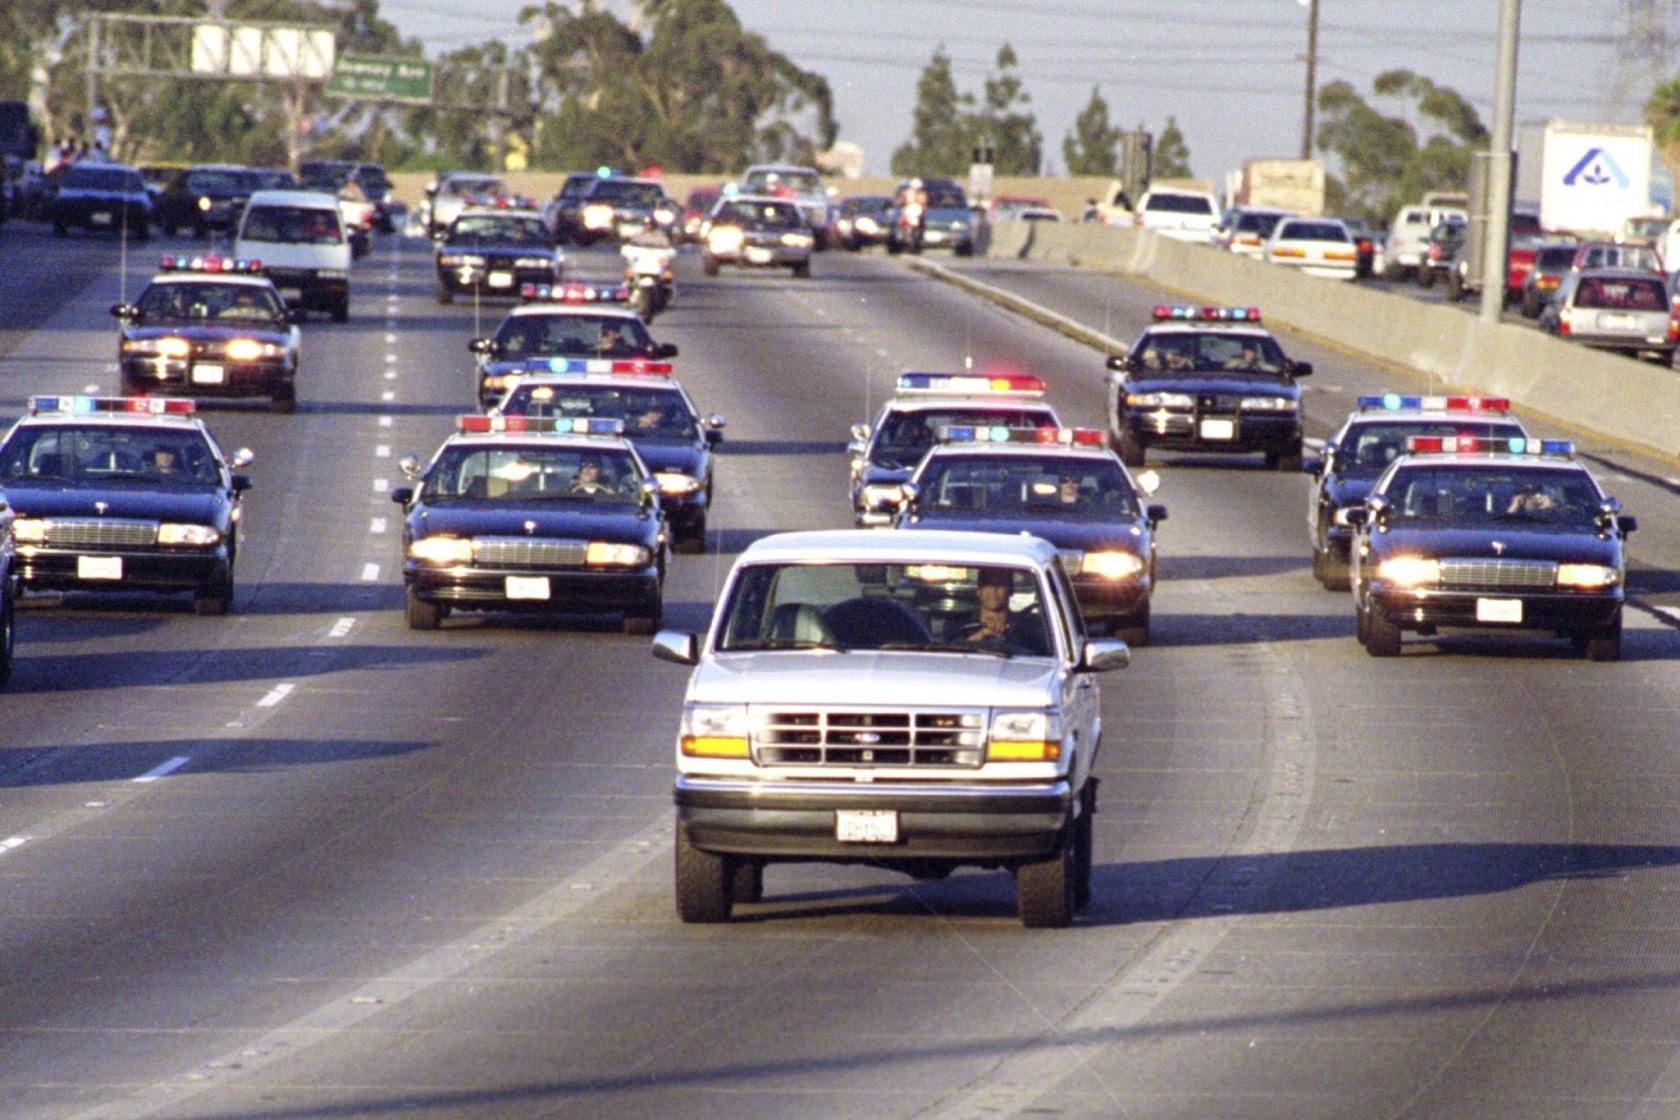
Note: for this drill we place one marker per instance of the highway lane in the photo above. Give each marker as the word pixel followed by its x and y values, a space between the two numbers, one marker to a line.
pixel 432 876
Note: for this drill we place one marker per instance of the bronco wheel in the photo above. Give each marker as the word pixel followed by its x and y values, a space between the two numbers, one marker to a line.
pixel 1045 889
pixel 705 887
pixel 746 880
pixel 1130 449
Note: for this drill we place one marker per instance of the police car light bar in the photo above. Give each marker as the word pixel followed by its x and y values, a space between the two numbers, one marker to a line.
pixel 1394 402
pixel 1483 445
pixel 133 406
pixel 1206 314
pixel 543 425
pixel 637 366
pixel 574 293
pixel 239 265
pixel 982 433
pixel 967 385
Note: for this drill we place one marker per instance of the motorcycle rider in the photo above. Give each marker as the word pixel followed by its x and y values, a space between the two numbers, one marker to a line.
pixel 912 215
pixel 648 257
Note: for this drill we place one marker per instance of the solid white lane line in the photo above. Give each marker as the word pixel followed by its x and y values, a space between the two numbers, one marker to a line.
pixel 12 842
pixel 161 769
pixel 276 694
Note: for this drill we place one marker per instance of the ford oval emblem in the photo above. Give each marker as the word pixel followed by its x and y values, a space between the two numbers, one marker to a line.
pixel 868 737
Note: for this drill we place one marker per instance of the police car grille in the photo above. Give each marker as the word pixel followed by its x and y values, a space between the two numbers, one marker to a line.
pixel 100 532
pixel 1498 573
pixel 870 738
pixel 527 552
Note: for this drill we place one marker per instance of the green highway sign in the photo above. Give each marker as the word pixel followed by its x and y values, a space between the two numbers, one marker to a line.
pixel 382 79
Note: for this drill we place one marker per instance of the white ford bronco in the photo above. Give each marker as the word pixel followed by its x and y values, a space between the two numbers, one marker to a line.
pixel 914 701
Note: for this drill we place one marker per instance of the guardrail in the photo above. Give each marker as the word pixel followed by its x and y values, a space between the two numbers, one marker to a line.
pixel 1602 393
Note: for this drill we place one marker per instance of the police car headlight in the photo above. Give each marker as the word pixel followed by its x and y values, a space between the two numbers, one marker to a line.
pixel 204 203
pixel 610 554
pixel 533 262
pixel 597 217
pixel 160 347
pixel 197 536
pixel 1268 404
pixel 725 239
pixel 867 225
pixel 1112 565
pixel 1409 571
pixel 1034 736
pixel 676 483
pixel 664 217
pixel 30 530
pixel 882 495
pixel 1160 400
pixel 796 240
pixel 442 550
pixel 715 731
pixel 249 350
pixel 1588 576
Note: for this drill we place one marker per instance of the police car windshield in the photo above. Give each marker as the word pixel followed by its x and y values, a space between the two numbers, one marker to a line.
pixel 930 608
pixel 1165 354
pixel 1369 448
pixel 1494 492
pixel 906 435
pixel 802 182
pixel 102 455
pixel 623 190
pixel 209 301
pixel 497 229
pixel 1019 485
pixel 534 336
pixel 524 473
pixel 947 196
pixel 650 414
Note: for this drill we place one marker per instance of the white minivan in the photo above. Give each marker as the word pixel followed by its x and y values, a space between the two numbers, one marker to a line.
pixel 300 239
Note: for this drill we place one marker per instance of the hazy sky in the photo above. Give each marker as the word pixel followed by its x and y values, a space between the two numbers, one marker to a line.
pixel 1230 71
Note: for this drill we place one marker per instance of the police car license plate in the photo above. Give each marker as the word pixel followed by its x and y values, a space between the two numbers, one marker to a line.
pixel 758 256
pixel 1219 429
pixel 1499 610
pixel 501 280
pixel 866 826
pixel 99 567
pixel 207 374
pixel 100 217
pixel 527 587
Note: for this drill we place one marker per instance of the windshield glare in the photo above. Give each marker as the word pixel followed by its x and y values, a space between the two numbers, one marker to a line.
pixel 905 436
pixel 100 455
pixel 1210 350
pixel 1494 493
pixel 246 303
pixel 1015 485
pixel 658 414
pixel 527 473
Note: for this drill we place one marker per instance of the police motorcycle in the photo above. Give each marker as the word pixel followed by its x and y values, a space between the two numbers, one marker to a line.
pixel 911 219
pixel 648 258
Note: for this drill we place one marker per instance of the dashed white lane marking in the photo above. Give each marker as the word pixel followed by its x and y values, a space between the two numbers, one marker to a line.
pixel 391 338
pixel 390 359
pixel 380 485
pixel 377 525
pixel 382 451
pixel 388 396
pixel 384 421
pixel 342 628
pixel 163 768
pixel 370 573
pixel 12 843
pixel 91 388
pixel 390 375
pixel 276 694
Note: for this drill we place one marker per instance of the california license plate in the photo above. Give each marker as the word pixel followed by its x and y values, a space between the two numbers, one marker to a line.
pixel 866 826
pixel 1499 610
pixel 758 256
pixel 1219 429
pixel 1617 322
pixel 100 217
pixel 527 587
pixel 99 567
pixel 207 374
pixel 501 280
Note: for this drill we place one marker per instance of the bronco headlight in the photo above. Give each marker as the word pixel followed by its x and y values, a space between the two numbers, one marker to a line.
pixel 196 536
pixel 676 483
pixel 1586 576
pixel 1409 571
pixel 726 239
pixel 609 554
pixel 442 550
pixel 1034 736
pixel 715 731
pixel 249 350
pixel 796 240
pixel 1160 400
pixel 1112 565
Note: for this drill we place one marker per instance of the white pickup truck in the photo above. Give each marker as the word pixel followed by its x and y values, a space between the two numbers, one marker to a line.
pixel 914 701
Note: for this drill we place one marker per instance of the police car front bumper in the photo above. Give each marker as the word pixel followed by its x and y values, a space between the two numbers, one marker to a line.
pixel 45 568
pixel 1237 432
pixel 1570 613
pixel 494 281
pixel 524 589
pixel 206 377
pixel 798 820
pixel 1110 598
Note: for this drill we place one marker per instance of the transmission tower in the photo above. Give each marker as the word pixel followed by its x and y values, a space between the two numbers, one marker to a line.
pixel 1647 52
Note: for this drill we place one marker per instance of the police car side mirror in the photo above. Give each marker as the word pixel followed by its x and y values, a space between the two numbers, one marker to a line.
pixel 485 346
pixel 860 434
pixel 1119 362
pixel 1312 464
pixel 403 495
pixel 1155 514
pixel 1300 369
pixel 124 311
pixel 1626 523
pixel 241 483
pixel 1104 655
pixel 665 350
pixel 1357 516
pixel 409 465
pixel 296 315
pixel 677 647
pixel 1148 482
pixel 244 457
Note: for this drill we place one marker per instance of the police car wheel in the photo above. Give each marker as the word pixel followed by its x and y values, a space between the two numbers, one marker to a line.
pixel 8 637
pixel 704 885
pixel 1045 889
pixel 1382 637
pixel 646 620
pixel 1134 631
pixel 709 266
pixel 284 400
pixel 1130 449
pixel 420 614
pixel 1606 644
pixel 217 599
pixel 1361 623
pixel 802 270
pixel 691 542
pixel 341 311
pixel 445 294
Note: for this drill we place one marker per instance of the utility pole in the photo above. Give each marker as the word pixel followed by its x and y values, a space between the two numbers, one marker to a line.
pixel 1496 252
pixel 1312 77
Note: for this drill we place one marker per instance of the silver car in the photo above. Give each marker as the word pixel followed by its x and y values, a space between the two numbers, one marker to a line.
pixel 1613 308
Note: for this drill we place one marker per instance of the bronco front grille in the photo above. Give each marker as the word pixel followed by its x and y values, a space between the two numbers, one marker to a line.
pixel 528 552
pixel 1472 573
pixel 101 532
pixel 827 737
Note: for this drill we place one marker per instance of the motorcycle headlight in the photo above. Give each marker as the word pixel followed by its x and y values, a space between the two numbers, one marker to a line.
pixel 725 239
pixel 1409 571
pixel 868 225
pixel 1031 736
pixel 1586 576
pixel 1160 400
pixel 196 536
pixel 1268 404
pixel 715 731
pixel 442 550
pixel 676 483
pixel 610 554
pixel 1112 565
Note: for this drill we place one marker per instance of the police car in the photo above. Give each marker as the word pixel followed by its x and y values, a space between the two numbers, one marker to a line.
pixel 525 514
pixel 495 251
pixel 1490 534
pixel 908 701
pixel 1369 440
pixel 659 418
pixel 209 326
pixel 561 321
pixel 123 494
pixel 1064 486
pixel 1206 379
pixel 885 453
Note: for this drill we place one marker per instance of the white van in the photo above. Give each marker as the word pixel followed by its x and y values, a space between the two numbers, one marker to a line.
pixel 300 239
pixel 1408 236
